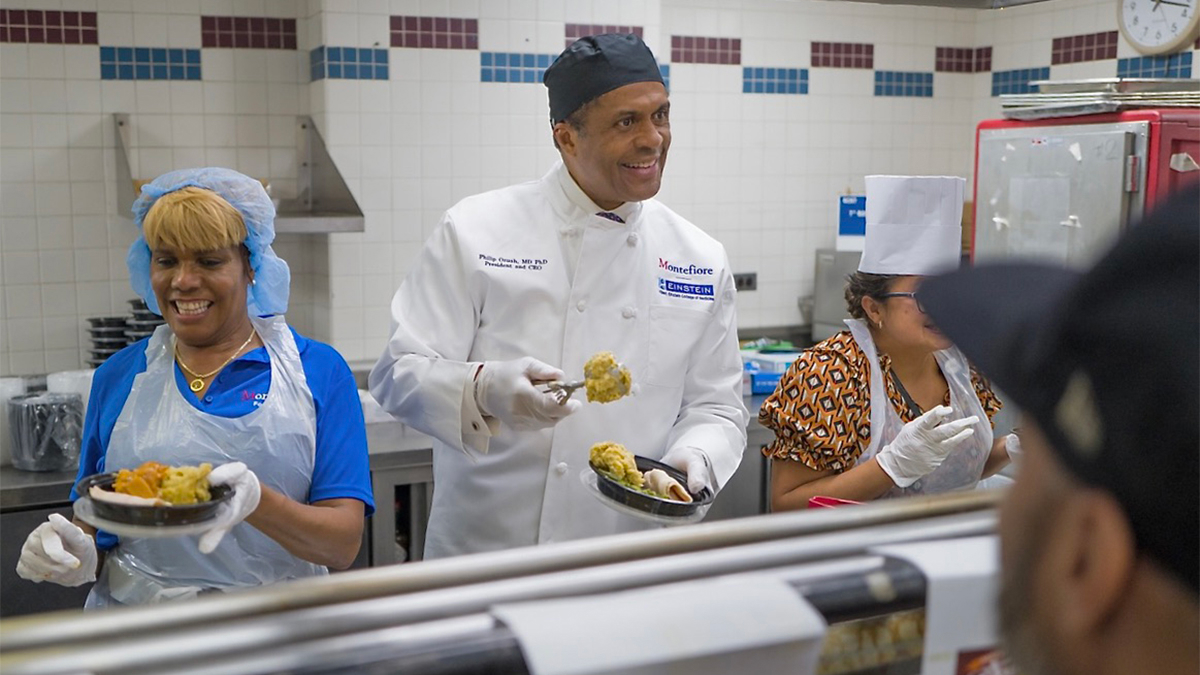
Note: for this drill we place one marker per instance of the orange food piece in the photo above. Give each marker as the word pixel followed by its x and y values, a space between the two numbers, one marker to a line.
pixel 144 481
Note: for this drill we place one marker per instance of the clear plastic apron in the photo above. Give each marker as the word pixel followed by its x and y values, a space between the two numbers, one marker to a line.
pixel 964 466
pixel 276 440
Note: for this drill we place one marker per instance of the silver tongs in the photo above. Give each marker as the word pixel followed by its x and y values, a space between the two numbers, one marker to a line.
pixel 562 391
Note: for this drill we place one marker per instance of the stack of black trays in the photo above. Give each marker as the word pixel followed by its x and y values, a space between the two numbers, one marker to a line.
pixel 142 321
pixel 108 337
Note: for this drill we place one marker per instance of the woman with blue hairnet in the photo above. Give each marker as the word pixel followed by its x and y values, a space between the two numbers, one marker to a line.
pixel 224 381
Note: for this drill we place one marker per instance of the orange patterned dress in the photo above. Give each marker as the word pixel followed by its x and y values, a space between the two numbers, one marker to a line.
pixel 821 410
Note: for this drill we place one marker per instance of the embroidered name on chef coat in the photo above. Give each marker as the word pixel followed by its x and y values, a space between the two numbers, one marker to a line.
pixel 533 264
pixel 687 281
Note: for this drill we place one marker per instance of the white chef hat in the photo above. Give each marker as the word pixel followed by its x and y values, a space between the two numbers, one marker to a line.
pixel 914 224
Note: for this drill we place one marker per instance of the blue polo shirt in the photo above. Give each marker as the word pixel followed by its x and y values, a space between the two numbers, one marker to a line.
pixel 341 469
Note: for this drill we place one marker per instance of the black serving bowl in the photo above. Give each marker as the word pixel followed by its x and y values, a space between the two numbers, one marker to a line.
pixel 659 506
pixel 107 321
pixel 153 516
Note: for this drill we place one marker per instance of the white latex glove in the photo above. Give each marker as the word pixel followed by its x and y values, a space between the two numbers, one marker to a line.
pixel 246 493
pixel 60 552
pixel 923 444
pixel 694 463
pixel 506 390
pixel 1012 445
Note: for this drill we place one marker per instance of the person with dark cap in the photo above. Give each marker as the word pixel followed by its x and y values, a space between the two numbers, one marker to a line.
pixel 520 286
pixel 1100 534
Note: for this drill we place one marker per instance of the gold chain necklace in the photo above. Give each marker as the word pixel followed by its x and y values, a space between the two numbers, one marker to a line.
pixel 198 383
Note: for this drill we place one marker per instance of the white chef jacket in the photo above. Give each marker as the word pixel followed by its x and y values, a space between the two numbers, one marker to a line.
pixel 495 282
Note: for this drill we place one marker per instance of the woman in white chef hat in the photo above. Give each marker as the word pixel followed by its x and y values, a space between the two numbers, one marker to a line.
pixel 888 407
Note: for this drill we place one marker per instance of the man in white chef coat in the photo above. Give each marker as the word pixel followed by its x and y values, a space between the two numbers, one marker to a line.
pixel 1100 534
pixel 522 285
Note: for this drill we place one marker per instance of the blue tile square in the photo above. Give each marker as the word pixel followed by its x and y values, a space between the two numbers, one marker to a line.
pixel 333 53
pixel 141 54
pixel 485 74
pixel 539 74
pixel 759 87
pixel 529 61
pixel 485 59
pixel 141 71
pixel 334 70
pixel 108 54
pixel 514 60
pixel 366 56
pixel 125 71
pixel 501 75
pixel 746 86
pixel 349 55
pixel 768 87
pixel 770 73
pixel 125 54
pixel 178 73
pixel 381 71
pixel 108 71
pixel 175 56
pixel 193 72
pixel 317 74
pixel 501 59
pixel 879 90
pixel 350 71
pixel 529 76
pixel 803 87
pixel 192 56
pixel 381 56
pixel 793 87
pixel 161 72
pixel 514 74
pixel 793 74
pixel 158 55
pixel 747 72
pixel 543 61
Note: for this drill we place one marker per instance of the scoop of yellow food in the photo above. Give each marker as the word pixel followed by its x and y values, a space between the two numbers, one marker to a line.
pixel 606 379
pixel 162 483
pixel 614 459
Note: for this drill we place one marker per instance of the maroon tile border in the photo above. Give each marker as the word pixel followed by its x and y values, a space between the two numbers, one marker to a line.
pixel 1089 47
pixel 50 26
pixel 247 32
pixel 434 32
pixel 983 59
pixel 575 31
pixel 696 49
pixel 963 59
pixel 843 55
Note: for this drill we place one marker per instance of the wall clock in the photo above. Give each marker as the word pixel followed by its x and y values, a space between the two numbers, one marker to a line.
pixel 1159 26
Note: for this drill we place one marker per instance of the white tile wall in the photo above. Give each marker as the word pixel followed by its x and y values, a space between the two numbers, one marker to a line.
pixel 758 172
pixel 63 243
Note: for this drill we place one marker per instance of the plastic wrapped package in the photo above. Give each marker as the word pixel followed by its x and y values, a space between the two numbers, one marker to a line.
pixel 72 382
pixel 9 387
pixel 46 430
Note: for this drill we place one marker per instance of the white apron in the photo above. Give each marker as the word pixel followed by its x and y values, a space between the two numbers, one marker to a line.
pixel 964 466
pixel 277 441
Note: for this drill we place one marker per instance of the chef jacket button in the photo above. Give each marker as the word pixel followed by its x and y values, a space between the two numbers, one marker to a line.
pixel 475 426
pixel 581 305
pixel 632 239
pixel 629 312
pixel 561 468
pixel 208 399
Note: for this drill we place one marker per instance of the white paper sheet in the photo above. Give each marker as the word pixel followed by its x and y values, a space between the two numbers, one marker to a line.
pixel 749 624
pixel 960 615
pixel 914 224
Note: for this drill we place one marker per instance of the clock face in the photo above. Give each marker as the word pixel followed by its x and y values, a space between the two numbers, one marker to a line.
pixel 1159 26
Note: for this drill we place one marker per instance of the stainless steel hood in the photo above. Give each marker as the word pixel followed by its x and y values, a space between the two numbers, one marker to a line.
pixel 323 201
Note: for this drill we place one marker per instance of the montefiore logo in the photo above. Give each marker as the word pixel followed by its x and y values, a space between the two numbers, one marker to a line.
pixel 665 264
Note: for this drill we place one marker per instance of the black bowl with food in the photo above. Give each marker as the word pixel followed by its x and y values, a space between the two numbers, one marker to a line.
pixel 643 500
pixel 152 516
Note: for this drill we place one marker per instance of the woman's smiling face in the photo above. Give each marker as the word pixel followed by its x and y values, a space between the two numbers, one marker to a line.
pixel 202 294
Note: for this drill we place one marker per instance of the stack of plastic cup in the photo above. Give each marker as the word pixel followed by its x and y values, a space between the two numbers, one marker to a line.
pixel 9 387
pixel 72 382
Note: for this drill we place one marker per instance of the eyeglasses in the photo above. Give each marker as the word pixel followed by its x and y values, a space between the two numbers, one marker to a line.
pixel 904 294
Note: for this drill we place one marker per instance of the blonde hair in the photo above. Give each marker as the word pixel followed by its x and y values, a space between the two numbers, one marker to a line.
pixel 193 219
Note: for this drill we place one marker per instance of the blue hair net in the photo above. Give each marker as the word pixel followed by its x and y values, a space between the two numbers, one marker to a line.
pixel 272 279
